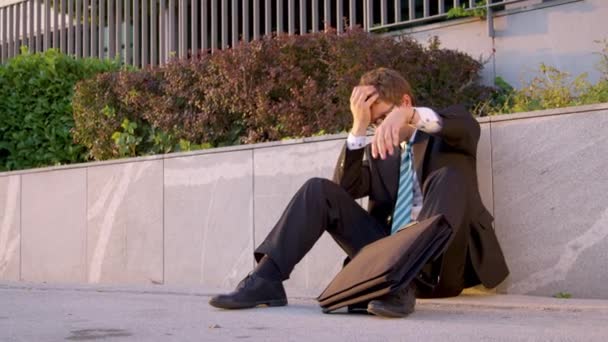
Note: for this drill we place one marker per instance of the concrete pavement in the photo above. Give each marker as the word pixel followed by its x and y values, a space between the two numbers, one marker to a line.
pixel 159 313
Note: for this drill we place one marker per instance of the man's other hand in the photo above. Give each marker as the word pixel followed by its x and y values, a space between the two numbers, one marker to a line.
pixel 388 133
pixel 361 100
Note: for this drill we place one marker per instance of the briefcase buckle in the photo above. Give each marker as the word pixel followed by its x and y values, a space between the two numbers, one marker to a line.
pixel 413 223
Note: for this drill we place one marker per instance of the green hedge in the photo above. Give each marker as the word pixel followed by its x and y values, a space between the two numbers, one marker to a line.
pixel 35 108
pixel 269 89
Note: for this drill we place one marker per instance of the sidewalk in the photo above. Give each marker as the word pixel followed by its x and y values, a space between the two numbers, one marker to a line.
pixel 104 313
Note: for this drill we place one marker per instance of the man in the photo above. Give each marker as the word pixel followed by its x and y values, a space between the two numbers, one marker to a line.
pixel 420 163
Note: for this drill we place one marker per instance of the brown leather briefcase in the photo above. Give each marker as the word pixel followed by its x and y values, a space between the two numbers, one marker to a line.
pixel 384 265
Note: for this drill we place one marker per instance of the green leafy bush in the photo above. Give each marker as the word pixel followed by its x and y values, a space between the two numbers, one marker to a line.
pixel 549 88
pixel 36 111
pixel 260 91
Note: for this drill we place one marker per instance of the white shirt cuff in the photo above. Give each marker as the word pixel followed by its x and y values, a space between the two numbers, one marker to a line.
pixel 355 142
pixel 429 121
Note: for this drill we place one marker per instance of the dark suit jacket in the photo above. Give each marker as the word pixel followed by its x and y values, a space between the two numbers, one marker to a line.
pixel 454 147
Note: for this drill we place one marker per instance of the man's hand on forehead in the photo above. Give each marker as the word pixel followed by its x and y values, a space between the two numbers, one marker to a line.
pixel 361 101
pixel 365 90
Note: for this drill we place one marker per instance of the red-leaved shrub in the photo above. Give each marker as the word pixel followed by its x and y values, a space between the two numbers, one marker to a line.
pixel 276 87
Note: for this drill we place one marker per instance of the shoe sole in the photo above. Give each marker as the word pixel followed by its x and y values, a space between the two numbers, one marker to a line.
pixel 378 311
pixel 250 305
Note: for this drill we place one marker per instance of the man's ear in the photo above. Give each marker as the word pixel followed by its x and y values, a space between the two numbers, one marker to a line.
pixel 407 100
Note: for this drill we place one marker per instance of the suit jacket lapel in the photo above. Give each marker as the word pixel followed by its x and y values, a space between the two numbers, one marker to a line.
pixel 421 142
pixel 389 169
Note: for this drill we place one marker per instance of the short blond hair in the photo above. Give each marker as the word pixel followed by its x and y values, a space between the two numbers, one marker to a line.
pixel 391 86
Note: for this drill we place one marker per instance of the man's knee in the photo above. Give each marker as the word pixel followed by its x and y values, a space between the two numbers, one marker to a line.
pixel 317 185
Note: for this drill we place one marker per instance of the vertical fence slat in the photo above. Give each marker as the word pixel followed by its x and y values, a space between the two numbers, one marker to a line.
pixel 17 45
pixel 62 32
pixel 29 14
pixel 118 28
pixel 136 33
pixel 111 29
pixel 411 10
pixel 70 27
pixel 86 37
pixel 315 16
pixel 279 17
pixel 47 24
pixel 93 28
pixel 326 14
pixel 15 26
pixel 18 32
pixel 180 28
pixel 369 14
pixel 145 36
pixel 7 31
pixel 224 23
pixel 20 26
pixel 162 34
pixel 4 45
pixel 194 28
pixel 55 24
pixel 154 32
pixel 172 49
pixel 303 22
pixel 10 45
pixel 213 25
pixel 291 20
pixel 23 22
pixel 38 9
pixel 101 29
pixel 471 3
pixel 383 13
pixel 441 6
pixel 204 24
pixel 267 17
pixel 245 6
pixel 398 11
pixel 352 8
pixel 183 33
pixel 79 28
pixel 128 32
pixel 172 33
pixel 425 9
pixel 235 23
pixel 340 16
pixel 256 19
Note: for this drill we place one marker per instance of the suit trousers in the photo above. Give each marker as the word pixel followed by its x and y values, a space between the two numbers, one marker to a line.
pixel 321 205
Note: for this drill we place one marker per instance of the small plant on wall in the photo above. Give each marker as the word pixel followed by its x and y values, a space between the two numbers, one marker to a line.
pixel 463 11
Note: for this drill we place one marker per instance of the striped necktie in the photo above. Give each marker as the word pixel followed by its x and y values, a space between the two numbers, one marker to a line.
pixel 405 195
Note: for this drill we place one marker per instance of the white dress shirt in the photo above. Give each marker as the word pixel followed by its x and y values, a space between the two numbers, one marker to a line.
pixel 429 122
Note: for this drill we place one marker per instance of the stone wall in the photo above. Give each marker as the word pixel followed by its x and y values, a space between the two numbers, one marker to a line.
pixel 190 219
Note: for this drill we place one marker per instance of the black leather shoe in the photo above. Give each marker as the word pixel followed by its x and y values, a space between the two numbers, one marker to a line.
pixel 398 304
pixel 251 292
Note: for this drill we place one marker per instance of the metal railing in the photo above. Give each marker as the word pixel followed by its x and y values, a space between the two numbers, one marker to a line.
pixel 149 32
